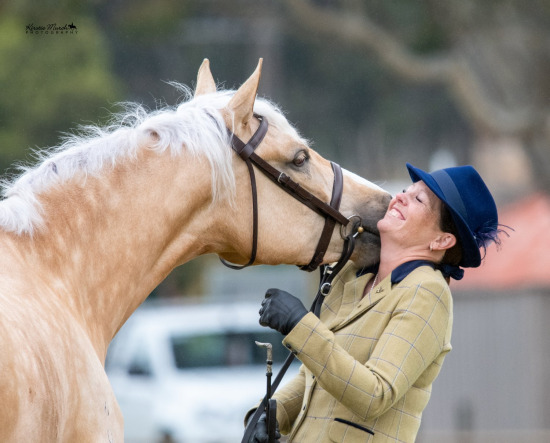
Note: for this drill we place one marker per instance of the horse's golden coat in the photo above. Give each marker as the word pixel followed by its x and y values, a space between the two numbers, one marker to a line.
pixel 108 239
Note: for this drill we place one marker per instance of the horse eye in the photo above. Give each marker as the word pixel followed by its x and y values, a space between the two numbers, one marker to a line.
pixel 300 159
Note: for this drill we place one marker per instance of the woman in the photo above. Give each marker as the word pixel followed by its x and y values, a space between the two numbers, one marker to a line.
pixel 370 360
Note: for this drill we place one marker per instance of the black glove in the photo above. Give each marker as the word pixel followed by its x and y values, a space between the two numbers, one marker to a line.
pixel 281 311
pixel 259 435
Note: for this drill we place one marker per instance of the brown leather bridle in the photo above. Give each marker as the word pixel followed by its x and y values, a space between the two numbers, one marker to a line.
pixel 332 216
pixel 330 211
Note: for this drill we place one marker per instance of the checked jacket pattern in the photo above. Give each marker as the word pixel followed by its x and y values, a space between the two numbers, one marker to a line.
pixel 369 363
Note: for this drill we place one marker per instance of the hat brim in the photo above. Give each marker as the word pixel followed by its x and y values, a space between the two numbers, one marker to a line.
pixel 471 256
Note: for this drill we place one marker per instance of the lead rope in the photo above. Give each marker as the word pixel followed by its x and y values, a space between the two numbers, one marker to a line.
pixel 325 285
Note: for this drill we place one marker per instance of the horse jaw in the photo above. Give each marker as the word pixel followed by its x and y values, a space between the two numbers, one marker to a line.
pixel 241 105
pixel 205 81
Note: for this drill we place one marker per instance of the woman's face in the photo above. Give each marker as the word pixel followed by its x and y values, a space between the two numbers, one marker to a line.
pixel 412 217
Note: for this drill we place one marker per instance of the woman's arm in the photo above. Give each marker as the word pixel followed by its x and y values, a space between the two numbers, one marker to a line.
pixel 414 336
pixel 289 401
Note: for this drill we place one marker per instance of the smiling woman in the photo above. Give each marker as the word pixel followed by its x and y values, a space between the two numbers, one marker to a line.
pixel 370 359
pixel 414 220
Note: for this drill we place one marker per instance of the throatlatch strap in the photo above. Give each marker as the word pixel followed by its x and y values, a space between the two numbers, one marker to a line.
pixel 244 151
pixel 254 222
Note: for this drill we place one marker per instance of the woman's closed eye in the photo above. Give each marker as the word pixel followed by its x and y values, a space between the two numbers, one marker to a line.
pixel 417 196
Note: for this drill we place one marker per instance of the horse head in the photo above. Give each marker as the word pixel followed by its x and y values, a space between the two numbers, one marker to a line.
pixel 283 220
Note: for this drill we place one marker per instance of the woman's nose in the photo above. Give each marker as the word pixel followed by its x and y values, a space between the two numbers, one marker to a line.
pixel 401 197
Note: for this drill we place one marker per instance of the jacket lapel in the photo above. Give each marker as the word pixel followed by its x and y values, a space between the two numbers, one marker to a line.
pixel 365 304
pixel 350 296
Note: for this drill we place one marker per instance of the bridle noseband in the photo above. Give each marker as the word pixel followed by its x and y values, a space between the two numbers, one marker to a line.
pixel 330 211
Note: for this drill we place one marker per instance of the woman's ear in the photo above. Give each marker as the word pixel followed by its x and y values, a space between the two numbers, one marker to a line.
pixel 443 242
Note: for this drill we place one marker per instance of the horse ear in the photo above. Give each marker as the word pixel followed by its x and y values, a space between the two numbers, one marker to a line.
pixel 242 103
pixel 205 81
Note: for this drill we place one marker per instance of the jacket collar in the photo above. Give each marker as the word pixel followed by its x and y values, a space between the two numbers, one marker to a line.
pixel 376 294
pixel 399 273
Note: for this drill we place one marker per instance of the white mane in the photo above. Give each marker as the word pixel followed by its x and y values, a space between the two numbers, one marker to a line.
pixel 195 125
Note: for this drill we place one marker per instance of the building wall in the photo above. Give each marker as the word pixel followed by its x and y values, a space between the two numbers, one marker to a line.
pixel 496 380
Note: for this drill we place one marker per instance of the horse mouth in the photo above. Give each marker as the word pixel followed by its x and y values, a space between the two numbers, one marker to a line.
pixel 372 230
pixel 367 245
pixel 370 217
pixel 369 237
pixel 367 249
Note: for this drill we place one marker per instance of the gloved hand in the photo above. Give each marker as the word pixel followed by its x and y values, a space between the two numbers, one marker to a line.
pixel 259 435
pixel 281 311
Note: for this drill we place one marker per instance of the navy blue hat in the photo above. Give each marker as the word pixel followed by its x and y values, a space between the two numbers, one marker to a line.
pixel 472 207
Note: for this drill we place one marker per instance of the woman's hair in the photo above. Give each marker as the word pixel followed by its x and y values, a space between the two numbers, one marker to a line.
pixel 453 255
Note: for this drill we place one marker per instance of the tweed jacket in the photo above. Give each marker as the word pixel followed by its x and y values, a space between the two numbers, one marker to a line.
pixel 368 364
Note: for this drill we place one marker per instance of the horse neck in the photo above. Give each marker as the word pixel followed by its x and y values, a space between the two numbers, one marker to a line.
pixel 112 239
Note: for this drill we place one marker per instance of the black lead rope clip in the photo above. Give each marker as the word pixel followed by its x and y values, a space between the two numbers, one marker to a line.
pixel 325 286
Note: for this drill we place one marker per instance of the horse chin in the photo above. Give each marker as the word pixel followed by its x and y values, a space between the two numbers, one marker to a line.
pixel 367 244
pixel 367 250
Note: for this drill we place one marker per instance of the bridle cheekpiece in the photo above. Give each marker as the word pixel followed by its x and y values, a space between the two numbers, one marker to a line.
pixel 330 211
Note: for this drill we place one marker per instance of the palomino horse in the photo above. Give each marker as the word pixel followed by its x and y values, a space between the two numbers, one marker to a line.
pixel 90 231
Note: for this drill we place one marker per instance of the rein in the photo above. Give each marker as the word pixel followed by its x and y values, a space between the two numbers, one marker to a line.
pixel 327 276
pixel 329 211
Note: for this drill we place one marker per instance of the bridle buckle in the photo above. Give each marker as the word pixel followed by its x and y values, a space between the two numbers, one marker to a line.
pixel 355 226
pixel 325 288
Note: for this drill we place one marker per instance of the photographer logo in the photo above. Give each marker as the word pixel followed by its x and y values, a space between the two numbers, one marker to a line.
pixel 51 29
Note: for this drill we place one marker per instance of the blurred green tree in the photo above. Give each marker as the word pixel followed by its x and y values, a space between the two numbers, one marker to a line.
pixel 50 83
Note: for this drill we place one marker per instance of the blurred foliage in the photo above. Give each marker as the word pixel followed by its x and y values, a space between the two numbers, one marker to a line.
pixel 51 83
pixel 360 115
pixel 414 22
pixel 142 21
pixel 491 59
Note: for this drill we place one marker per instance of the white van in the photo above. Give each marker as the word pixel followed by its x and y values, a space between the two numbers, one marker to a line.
pixel 189 373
